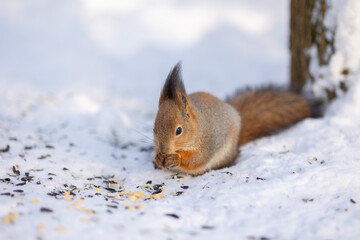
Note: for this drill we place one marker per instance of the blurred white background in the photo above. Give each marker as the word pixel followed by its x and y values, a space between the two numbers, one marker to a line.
pixel 128 47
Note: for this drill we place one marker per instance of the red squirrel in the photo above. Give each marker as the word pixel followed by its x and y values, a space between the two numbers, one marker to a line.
pixel 195 133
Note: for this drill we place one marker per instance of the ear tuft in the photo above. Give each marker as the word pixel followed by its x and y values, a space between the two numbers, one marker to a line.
pixel 174 85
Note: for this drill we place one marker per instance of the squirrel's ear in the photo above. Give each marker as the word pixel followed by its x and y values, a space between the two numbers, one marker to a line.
pixel 174 87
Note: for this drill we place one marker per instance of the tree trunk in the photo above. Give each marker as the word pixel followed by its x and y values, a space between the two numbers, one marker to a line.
pixel 300 40
pixel 307 30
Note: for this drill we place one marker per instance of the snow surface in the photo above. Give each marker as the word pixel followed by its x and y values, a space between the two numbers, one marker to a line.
pixel 77 105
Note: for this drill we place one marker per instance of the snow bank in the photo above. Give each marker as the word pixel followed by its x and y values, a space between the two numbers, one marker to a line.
pixel 65 175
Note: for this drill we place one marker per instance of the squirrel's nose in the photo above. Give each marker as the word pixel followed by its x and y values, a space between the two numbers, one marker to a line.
pixel 164 149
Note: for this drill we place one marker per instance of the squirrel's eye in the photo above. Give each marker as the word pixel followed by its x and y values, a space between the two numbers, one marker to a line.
pixel 178 131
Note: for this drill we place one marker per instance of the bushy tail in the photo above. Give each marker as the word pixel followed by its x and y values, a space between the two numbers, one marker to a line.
pixel 267 110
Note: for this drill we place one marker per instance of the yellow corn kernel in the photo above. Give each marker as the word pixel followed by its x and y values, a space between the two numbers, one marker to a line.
pixel 88 211
pixel 41 227
pixel 132 208
pixel 158 196
pixel 78 202
pixel 67 198
pixel 139 195
pixel 132 198
pixel 10 218
pixel 61 229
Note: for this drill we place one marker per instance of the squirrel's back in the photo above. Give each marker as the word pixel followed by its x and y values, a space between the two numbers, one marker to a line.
pixel 219 126
pixel 267 110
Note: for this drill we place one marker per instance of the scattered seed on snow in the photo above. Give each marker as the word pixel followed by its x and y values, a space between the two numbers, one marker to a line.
pixel 41 227
pixel 110 189
pixel 139 195
pixel 5 180
pixel 132 198
pixel 44 209
pixel 67 198
pixel 132 208
pixel 117 197
pixel 207 227
pixel 88 211
pixel 44 156
pixel 78 202
pixel 61 229
pixel 15 171
pixel 6 149
pixel 112 206
pixel 173 215
pixel 158 196
pixel 10 218
pixel 259 178
pixel 156 191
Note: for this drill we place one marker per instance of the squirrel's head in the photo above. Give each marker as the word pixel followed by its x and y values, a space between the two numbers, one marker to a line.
pixel 175 123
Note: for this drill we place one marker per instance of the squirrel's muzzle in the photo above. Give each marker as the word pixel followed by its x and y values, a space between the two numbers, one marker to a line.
pixel 166 149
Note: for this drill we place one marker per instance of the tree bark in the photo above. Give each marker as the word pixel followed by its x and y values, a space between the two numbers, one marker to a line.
pixel 307 30
pixel 300 40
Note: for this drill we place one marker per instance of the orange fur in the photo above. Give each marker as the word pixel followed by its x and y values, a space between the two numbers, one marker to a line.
pixel 187 162
pixel 265 111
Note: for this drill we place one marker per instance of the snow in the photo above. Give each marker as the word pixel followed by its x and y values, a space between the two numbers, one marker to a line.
pixel 77 108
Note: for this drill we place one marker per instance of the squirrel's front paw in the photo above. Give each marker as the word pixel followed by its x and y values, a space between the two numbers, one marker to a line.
pixel 171 161
pixel 159 161
pixel 166 161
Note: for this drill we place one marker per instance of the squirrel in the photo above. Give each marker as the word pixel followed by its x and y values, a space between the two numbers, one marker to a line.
pixel 195 133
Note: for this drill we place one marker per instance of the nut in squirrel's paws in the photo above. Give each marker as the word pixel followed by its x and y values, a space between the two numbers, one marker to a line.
pixel 166 161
